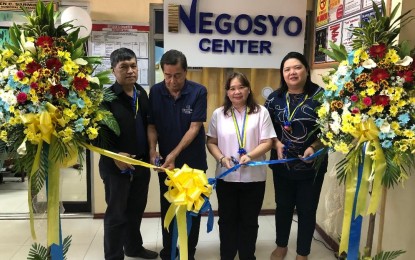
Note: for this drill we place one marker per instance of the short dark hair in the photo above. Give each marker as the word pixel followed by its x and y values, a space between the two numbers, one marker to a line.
pixel 121 54
pixel 309 87
pixel 250 102
pixel 172 57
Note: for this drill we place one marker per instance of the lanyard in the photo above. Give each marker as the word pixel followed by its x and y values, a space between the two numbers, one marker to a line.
pixel 135 104
pixel 241 134
pixel 289 115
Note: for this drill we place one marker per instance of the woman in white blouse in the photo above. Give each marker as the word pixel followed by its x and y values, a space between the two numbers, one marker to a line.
pixel 240 131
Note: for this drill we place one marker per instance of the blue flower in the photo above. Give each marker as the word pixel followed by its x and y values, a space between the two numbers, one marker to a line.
pixel 79 125
pixel 13 84
pixel 379 122
pixel 382 136
pixel 359 70
pixel 403 119
pixel 350 57
pixel 25 89
pixel 73 99
pixel 386 144
pixel 391 134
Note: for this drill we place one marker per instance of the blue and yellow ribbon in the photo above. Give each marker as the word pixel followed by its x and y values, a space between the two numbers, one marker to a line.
pixel 370 164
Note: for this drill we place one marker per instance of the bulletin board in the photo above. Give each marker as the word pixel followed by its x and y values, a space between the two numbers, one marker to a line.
pixel 106 38
pixel 334 21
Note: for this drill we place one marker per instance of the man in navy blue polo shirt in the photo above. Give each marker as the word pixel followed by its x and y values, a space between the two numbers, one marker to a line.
pixel 178 110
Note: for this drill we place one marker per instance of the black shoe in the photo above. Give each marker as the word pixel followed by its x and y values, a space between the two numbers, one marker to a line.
pixel 145 254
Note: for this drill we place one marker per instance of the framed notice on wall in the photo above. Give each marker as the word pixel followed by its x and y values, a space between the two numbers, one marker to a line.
pixel 334 21
pixel 105 38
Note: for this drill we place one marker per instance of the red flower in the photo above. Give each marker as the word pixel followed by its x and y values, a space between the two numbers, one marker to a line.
pixel 407 75
pixel 80 83
pixel 381 100
pixel 377 50
pixel 354 98
pixel 32 67
pixel 355 110
pixel 20 74
pixel 379 75
pixel 58 91
pixel 44 41
pixel 367 101
pixel 53 63
pixel 34 85
pixel 21 97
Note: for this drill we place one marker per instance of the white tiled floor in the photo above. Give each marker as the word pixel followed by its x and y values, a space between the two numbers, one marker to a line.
pixel 87 239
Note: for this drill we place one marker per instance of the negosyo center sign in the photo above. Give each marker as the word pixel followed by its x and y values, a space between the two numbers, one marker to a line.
pixel 234 33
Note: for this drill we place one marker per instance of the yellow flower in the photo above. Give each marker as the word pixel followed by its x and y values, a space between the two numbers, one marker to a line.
pixel 370 91
pixel 329 135
pixel 408 133
pixel 392 56
pixel 7 53
pixel 92 133
pixel 401 103
pixel 342 147
pixel 322 111
pixel 403 147
pixel 64 54
pixel 375 109
pixel 364 56
pixel 33 96
pixel 357 119
pixel 69 113
pixel 395 126
pixel 326 143
pixel 99 117
pixel 3 136
pixel 331 86
pixel 393 110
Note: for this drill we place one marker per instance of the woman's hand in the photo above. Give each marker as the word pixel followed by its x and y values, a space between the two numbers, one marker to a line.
pixel 226 162
pixel 245 158
pixel 279 146
pixel 307 153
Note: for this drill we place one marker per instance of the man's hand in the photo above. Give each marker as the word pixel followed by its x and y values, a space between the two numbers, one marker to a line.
pixel 169 163
pixel 122 165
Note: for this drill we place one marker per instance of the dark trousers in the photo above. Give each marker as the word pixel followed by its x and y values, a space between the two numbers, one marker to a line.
pixel 126 201
pixel 193 236
pixel 239 205
pixel 304 196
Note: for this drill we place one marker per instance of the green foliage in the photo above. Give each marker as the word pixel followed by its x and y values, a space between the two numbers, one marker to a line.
pixel 389 255
pixel 39 252
pixel 378 29
pixel 381 28
pixel 337 52
pixel 110 121
pixel 348 165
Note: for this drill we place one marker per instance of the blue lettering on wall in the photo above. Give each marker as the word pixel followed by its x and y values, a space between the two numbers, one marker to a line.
pixel 232 46
pixel 225 27
pixel 289 21
pixel 239 19
pixel 259 22
pixel 242 24
pixel 203 23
